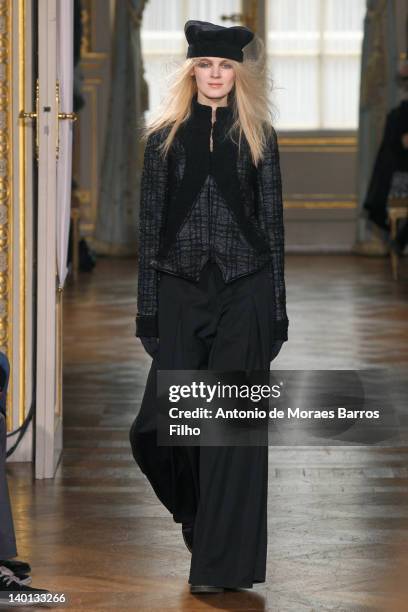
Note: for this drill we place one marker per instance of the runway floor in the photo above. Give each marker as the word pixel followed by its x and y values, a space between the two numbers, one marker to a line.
pixel 338 515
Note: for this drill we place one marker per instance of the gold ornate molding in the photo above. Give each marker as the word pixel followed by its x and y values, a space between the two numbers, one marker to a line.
pixel 328 204
pixel 87 38
pixel 89 209
pixel 5 186
pixel 318 140
pixel 136 17
pixel 318 144
pixel 373 84
pixel 86 22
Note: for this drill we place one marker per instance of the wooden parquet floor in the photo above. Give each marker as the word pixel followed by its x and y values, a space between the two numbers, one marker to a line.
pixel 338 516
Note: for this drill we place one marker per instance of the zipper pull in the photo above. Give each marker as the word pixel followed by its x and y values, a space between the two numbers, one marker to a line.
pixel 211 137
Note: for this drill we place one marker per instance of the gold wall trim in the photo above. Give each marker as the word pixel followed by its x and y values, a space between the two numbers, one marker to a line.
pixel 97 55
pixel 346 197
pixel 6 194
pixel 92 81
pixel 84 196
pixel 92 91
pixel 88 229
pixel 318 149
pixel 333 204
pixel 88 22
pixel 294 141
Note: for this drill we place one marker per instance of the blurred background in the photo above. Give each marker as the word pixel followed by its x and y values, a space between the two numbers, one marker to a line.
pixel 82 510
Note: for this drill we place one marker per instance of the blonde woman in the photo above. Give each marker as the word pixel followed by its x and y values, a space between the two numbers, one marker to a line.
pixel 211 290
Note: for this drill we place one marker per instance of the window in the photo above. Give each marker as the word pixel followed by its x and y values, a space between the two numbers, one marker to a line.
pixel 314 55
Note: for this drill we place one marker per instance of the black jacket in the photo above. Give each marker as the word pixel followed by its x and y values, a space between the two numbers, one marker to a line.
pixel 198 204
pixel 391 157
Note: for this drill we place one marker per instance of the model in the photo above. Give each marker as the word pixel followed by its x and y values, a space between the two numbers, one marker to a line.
pixel 211 290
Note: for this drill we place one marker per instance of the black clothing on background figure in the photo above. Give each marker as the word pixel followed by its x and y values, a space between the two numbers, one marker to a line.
pixel 199 205
pixel 7 535
pixel 392 156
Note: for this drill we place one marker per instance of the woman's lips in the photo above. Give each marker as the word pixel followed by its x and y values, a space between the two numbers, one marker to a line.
pixel 215 84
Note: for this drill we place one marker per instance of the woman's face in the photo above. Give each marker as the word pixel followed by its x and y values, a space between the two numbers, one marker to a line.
pixel 215 76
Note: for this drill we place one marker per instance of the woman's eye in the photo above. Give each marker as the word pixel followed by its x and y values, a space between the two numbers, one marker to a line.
pixel 207 65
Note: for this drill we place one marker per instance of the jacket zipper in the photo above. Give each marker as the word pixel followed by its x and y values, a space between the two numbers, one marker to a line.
pixel 211 138
pixel 209 194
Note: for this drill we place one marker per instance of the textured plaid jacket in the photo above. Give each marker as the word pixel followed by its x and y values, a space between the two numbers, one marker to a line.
pixel 198 205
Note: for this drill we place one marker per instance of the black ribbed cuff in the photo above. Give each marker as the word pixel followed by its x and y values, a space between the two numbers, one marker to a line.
pixel 147 326
pixel 280 330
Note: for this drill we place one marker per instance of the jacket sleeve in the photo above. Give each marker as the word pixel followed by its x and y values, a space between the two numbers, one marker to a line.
pixel 270 215
pixel 153 196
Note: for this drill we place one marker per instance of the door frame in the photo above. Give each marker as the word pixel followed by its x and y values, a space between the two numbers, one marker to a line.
pixel 48 428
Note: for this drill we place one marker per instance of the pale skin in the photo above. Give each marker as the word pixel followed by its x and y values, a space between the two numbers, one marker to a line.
pixel 215 77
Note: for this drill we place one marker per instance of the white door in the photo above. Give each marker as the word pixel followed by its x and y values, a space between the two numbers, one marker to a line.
pixel 55 57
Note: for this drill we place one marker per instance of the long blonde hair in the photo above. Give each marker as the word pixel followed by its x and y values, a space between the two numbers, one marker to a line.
pixel 249 98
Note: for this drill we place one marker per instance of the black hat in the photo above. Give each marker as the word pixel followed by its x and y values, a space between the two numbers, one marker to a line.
pixel 216 41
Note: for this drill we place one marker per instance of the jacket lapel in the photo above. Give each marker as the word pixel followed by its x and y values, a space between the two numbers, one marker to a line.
pixel 195 140
pixel 224 169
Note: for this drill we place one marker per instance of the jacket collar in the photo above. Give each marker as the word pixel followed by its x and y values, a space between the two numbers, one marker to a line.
pixel 202 113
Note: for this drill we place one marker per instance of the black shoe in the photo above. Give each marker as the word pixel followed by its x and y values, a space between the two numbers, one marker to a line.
pixel 204 588
pixel 10 585
pixel 16 566
pixel 187 530
pixel 21 578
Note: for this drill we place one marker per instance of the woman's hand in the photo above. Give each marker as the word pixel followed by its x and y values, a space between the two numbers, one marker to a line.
pixel 150 344
pixel 275 348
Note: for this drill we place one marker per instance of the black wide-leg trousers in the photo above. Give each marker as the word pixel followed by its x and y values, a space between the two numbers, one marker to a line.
pixel 217 326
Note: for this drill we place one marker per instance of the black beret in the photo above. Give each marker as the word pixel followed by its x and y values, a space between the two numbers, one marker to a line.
pixel 208 39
